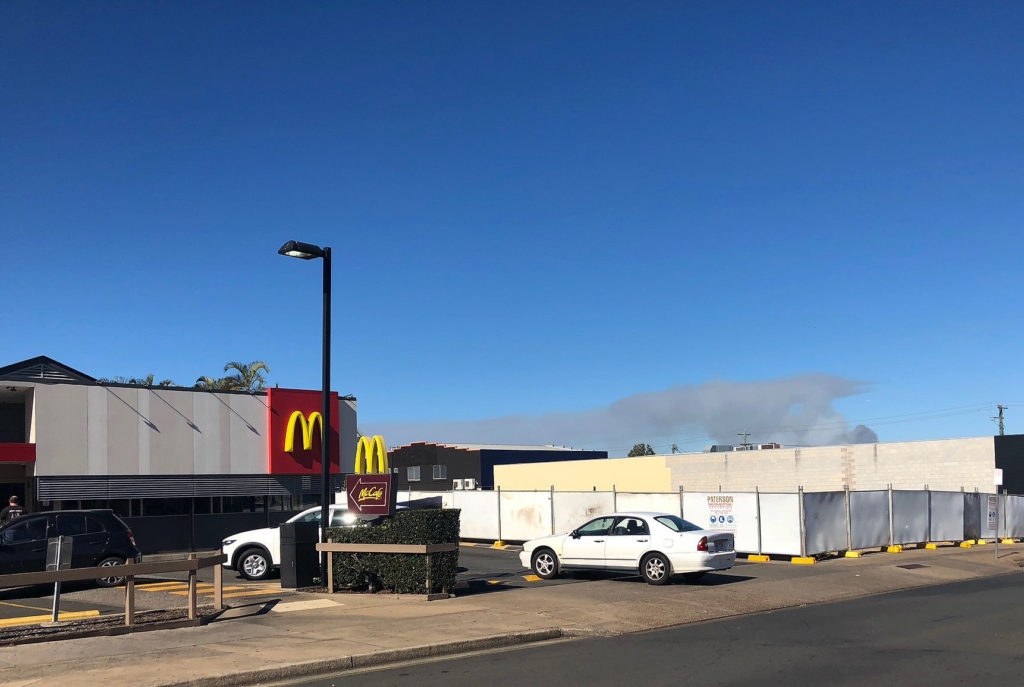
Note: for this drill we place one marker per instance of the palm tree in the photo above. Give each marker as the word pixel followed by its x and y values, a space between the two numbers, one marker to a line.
pixel 139 381
pixel 247 376
pixel 211 384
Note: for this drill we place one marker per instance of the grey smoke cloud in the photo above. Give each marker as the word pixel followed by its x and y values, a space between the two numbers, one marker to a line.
pixel 793 410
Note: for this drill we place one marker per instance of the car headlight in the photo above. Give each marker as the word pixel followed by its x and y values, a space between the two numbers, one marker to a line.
pixel 349 518
pixel 228 542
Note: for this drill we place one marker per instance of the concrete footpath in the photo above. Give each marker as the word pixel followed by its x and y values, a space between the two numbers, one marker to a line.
pixel 311 633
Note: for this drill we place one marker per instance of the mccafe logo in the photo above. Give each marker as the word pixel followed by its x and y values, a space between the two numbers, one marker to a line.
pixel 370 494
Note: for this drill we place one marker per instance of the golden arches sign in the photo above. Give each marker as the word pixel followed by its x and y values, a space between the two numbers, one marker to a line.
pixel 368 449
pixel 307 430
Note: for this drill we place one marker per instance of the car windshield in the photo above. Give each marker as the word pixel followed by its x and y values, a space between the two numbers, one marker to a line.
pixel 676 523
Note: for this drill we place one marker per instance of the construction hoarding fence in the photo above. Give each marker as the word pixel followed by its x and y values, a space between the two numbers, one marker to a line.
pixel 791 524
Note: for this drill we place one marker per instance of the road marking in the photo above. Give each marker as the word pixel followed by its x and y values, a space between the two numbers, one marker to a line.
pixel 35 619
pixel 466 543
pixel 531 578
pixel 34 608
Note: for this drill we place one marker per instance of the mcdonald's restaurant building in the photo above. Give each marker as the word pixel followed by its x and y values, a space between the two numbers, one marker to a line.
pixel 183 467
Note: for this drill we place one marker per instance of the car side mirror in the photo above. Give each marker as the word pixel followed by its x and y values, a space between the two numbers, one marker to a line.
pixel 575 534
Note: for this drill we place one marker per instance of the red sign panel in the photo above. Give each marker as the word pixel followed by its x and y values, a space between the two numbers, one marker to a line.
pixel 17 453
pixel 369 494
pixel 295 430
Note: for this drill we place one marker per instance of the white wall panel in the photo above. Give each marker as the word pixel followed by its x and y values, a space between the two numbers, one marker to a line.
pixel 525 514
pixel 574 508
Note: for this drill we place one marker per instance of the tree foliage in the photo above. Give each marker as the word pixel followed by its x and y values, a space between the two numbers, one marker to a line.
pixel 641 450
pixel 246 377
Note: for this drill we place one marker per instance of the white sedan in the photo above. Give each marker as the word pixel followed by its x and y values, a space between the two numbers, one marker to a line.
pixel 656 545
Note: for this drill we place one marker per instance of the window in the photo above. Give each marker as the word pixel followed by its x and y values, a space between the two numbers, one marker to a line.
pixel 338 517
pixel 440 472
pixel 70 525
pixel 25 531
pixel 308 517
pixel 92 525
pixel 596 527
pixel 675 523
pixel 413 473
pixel 630 526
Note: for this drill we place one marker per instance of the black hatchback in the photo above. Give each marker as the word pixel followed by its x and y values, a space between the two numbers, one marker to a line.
pixel 101 539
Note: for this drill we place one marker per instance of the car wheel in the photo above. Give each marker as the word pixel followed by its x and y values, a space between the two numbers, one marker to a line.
pixel 110 562
pixel 254 564
pixel 694 577
pixel 545 564
pixel 655 569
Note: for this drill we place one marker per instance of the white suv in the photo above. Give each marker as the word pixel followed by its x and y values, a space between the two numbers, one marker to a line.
pixel 257 553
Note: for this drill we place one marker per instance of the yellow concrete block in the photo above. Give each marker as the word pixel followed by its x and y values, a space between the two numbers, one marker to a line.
pixel 966 544
pixel 1007 541
pixel 931 546
pixel 981 541
pixel 894 549
pixel 758 558
pixel 852 554
pixel 802 560
pixel 498 545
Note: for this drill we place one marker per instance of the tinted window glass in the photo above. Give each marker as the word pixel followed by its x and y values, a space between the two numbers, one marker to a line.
pixel 676 523
pixel 93 525
pixel 71 524
pixel 29 530
pixel 308 517
pixel 594 527
pixel 630 526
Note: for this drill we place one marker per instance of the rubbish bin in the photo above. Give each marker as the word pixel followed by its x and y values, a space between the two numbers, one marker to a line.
pixel 299 560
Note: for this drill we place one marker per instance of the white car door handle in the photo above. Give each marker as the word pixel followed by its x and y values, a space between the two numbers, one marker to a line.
pixel 599 541
pixel 641 540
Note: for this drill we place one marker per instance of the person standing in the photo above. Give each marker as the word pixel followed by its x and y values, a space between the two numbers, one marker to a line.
pixel 13 511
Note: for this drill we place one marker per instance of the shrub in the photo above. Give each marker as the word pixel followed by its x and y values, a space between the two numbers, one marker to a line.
pixel 405 573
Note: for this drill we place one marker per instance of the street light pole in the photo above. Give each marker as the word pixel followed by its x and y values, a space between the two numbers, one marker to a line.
pixel 325 421
pixel 309 251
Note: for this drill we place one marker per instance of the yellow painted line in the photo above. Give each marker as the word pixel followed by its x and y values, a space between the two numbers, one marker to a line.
pixel 531 578
pixel 257 593
pixel 35 619
pixel 852 554
pixel 467 543
pixel 158 586
pixel 493 581
pixel 14 605
pixel 802 560
pixel 898 548
pixel 758 558
pixel 931 547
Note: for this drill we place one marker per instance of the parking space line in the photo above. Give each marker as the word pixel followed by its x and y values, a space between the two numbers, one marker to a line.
pixel 14 605
pixel 35 619
pixel 257 593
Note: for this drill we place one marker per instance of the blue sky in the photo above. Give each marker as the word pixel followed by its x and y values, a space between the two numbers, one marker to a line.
pixel 533 209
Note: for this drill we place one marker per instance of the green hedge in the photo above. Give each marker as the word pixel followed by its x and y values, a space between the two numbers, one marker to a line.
pixel 405 573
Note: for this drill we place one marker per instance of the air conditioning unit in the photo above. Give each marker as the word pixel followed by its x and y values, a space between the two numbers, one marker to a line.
pixel 457 484
pixel 469 483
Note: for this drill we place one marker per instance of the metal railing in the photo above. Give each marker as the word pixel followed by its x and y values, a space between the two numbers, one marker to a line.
pixel 129 572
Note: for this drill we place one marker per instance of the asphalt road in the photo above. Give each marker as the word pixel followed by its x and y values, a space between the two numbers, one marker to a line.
pixel 964 633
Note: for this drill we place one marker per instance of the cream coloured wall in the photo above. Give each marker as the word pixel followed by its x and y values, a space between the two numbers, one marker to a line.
pixel 944 464
pixel 646 473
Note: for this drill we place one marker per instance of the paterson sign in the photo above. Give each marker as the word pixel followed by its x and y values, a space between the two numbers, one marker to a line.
pixel 369 490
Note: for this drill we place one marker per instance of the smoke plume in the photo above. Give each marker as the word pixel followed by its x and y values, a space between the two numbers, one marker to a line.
pixel 792 411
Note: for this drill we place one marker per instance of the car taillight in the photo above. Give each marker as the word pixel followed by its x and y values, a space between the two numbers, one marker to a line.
pixel 131 537
pixel 702 545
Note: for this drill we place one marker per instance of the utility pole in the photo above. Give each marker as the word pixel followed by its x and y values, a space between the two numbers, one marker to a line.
pixel 675 449
pixel 999 418
pixel 744 434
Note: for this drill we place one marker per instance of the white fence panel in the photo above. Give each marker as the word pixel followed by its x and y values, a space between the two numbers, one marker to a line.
pixel 780 524
pixel 525 515
pixel 657 503
pixel 725 512
pixel 1015 516
pixel 479 517
pixel 574 508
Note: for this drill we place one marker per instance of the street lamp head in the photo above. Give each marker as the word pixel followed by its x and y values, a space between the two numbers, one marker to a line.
pixel 298 249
